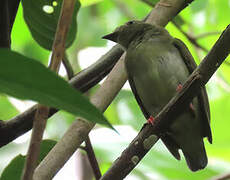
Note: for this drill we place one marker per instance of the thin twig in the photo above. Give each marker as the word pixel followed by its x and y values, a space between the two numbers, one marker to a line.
pixel 68 67
pixel 92 158
pixel 206 34
pixel 148 135
pixel 222 177
pixel 34 147
pixel 42 112
pixel 124 9
pixel 190 38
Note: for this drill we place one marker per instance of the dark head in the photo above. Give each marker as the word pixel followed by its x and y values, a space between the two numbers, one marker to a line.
pixel 133 29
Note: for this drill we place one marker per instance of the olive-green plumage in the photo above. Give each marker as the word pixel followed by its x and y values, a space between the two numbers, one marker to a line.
pixel 156 64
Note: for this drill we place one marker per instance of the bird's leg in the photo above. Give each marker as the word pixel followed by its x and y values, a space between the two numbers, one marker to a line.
pixel 151 120
pixel 191 107
pixel 179 87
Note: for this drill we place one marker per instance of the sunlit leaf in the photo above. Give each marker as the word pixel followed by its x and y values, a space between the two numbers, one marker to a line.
pixel 89 2
pixel 7 110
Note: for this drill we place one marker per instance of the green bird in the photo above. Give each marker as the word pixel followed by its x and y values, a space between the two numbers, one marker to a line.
pixel 157 65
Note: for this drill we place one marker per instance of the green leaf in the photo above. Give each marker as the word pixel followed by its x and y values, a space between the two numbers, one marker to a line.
pixel 89 2
pixel 41 16
pixel 26 78
pixel 7 110
pixel 15 167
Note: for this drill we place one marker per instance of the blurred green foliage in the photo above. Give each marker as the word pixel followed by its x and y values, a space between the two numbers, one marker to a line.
pixel 99 17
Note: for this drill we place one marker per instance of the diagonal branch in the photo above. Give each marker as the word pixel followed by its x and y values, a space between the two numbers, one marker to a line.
pixel 148 135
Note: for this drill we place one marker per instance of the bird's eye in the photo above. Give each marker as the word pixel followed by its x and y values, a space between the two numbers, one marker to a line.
pixel 130 22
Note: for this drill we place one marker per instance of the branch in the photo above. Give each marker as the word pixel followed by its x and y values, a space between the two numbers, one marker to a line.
pixel 92 158
pixel 190 38
pixel 68 67
pixel 42 112
pixel 222 177
pixel 79 130
pixel 84 80
pixel 148 135
pixel 206 34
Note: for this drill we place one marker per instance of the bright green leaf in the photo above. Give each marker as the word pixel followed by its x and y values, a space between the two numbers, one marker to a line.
pixel 89 2
pixel 7 110
pixel 41 17
pixel 15 167
pixel 26 78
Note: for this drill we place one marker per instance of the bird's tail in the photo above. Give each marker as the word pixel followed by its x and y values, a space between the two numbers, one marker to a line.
pixel 196 158
pixel 194 152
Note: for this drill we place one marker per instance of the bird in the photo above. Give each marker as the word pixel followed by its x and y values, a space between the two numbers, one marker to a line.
pixel 157 65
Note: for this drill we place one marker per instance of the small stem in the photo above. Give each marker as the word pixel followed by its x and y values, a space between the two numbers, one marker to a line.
pixel 222 177
pixel 42 112
pixel 34 147
pixel 92 158
pixel 204 35
pixel 68 67
pixel 124 9
pixel 190 38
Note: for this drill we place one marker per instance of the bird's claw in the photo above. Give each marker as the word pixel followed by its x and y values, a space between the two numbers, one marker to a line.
pixel 151 120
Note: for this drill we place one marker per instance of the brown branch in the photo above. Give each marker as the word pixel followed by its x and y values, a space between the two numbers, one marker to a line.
pixel 68 67
pixel 124 9
pixel 190 38
pixel 92 158
pixel 42 112
pixel 206 34
pixel 222 177
pixel 36 137
pixel 148 135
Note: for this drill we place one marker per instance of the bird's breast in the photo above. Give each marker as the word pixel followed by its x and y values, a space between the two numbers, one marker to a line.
pixel 156 69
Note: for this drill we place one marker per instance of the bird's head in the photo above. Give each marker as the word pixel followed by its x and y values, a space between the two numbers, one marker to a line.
pixel 131 30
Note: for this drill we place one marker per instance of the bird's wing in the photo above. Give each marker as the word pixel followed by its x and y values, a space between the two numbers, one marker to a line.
pixel 203 97
pixel 134 90
pixel 168 141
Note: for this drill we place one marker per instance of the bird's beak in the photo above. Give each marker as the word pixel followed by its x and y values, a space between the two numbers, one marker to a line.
pixel 112 36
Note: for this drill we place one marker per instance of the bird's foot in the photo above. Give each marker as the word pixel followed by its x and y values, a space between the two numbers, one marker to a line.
pixel 151 120
pixel 191 107
pixel 179 87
